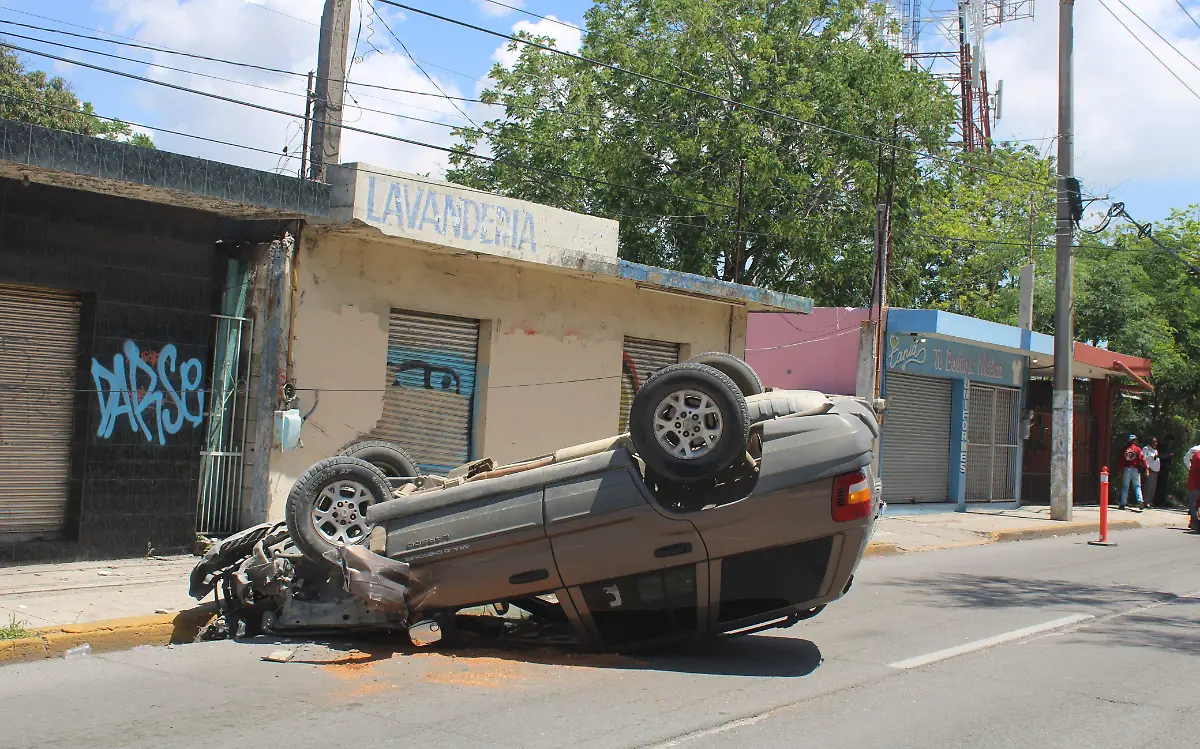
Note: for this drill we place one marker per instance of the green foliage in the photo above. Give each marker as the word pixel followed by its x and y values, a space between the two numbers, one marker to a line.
pixel 975 231
pixel 30 96
pixel 809 193
pixel 1140 300
pixel 14 630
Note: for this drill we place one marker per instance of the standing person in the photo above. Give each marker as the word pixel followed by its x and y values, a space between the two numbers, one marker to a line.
pixel 1193 485
pixel 1133 465
pixel 1150 453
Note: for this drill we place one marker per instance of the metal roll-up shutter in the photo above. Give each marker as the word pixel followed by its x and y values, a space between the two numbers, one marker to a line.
pixel 429 392
pixel 992 425
pixel 915 464
pixel 640 359
pixel 39 341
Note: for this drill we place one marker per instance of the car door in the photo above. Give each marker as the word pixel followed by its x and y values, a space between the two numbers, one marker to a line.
pixel 634 573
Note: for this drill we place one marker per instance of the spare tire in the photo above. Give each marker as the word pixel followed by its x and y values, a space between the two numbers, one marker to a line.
pixel 327 506
pixel 742 374
pixel 689 421
pixel 393 460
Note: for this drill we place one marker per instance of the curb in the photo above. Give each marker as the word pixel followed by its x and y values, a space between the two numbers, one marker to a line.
pixel 883 549
pixel 110 635
pixel 1067 529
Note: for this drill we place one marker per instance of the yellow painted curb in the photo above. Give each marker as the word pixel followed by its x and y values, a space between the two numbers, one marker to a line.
pixel 110 635
pixel 1065 529
pixel 878 549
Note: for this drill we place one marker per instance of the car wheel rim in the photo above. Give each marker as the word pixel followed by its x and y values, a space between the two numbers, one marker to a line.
pixel 688 424
pixel 340 513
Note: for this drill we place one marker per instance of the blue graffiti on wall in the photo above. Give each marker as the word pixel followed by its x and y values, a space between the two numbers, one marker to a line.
pixel 150 389
pixel 431 370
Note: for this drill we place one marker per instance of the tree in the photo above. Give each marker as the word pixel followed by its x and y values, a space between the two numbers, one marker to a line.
pixel 1134 297
pixel 985 215
pixel 30 96
pixel 667 163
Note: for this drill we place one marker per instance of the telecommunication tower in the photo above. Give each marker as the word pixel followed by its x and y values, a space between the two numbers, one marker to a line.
pixel 956 55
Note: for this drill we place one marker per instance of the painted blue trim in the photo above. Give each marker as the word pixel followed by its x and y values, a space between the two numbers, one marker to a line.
pixel 959 425
pixel 691 283
pixel 936 322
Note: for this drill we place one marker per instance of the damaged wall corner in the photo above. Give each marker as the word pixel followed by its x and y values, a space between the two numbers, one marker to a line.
pixel 275 314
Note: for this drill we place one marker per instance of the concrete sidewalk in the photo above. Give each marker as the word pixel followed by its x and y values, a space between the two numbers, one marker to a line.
pixel 43 595
pixel 899 533
pixel 54 595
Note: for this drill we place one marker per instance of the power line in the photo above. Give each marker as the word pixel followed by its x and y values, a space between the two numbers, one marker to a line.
pixel 239 82
pixel 140 44
pixel 1147 48
pixel 425 73
pixel 365 131
pixel 1188 13
pixel 269 9
pixel 1160 36
pixel 141 62
pixel 148 47
pixel 137 44
pixel 699 92
pixel 1147 231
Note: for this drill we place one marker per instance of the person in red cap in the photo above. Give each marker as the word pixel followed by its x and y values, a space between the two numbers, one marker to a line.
pixel 1133 465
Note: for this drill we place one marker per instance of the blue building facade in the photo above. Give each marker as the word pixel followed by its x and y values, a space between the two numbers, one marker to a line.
pixel 955 388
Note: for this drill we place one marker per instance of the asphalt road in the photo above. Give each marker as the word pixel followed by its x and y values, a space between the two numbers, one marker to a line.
pixel 1038 644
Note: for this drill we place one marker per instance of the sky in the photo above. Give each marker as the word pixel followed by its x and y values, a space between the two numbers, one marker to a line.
pixel 1135 122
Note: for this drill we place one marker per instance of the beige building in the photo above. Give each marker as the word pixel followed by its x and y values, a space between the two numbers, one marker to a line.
pixel 463 324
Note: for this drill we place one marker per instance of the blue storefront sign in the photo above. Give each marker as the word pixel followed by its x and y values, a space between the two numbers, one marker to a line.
pixel 941 358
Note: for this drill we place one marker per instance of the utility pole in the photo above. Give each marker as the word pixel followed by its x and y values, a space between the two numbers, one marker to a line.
pixel 739 242
pixel 331 87
pixel 308 104
pixel 1061 458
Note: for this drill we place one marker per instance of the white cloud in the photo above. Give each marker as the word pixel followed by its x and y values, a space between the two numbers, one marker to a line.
pixel 1133 121
pixel 565 38
pixel 498 11
pixel 235 30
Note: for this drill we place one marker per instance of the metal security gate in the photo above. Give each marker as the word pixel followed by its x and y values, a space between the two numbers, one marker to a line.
pixel 992 425
pixel 429 393
pixel 222 460
pixel 915 447
pixel 39 341
pixel 640 359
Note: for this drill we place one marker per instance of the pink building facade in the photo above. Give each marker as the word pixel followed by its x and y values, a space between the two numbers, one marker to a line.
pixel 807 352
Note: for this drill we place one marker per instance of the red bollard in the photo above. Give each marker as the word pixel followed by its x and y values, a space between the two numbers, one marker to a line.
pixel 1103 511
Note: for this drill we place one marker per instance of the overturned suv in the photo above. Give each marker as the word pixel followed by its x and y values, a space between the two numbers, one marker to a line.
pixel 726 509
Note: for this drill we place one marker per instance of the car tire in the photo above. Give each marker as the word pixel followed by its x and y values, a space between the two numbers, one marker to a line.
pixel 706 443
pixel 388 457
pixel 327 506
pixel 742 374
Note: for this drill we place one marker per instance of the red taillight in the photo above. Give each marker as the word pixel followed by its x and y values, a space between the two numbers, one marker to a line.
pixel 851 497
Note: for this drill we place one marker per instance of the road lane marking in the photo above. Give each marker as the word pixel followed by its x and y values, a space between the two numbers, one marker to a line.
pixel 731 725
pixel 971 647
